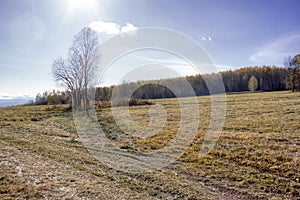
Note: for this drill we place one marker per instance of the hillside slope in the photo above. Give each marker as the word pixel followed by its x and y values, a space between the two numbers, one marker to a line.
pixel 256 157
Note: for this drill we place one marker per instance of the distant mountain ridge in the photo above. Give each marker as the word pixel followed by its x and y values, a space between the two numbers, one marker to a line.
pixel 14 101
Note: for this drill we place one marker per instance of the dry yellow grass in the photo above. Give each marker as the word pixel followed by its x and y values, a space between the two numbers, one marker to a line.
pixel 256 156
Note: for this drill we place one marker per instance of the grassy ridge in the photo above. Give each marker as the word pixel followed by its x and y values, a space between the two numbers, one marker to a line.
pixel 256 156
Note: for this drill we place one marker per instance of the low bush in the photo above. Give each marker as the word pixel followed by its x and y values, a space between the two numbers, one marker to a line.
pixel 122 102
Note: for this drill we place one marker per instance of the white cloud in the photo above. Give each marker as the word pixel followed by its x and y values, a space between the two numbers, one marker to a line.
pixel 209 38
pixel 128 27
pixel 111 28
pixel 105 27
pixel 275 51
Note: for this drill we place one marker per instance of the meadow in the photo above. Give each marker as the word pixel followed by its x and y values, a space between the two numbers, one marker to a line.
pixel 257 155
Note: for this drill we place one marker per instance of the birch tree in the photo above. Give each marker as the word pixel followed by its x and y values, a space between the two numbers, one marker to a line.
pixel 77 72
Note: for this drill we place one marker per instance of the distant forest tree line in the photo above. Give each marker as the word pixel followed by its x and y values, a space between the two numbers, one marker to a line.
pixel 53 97
pixel 265 78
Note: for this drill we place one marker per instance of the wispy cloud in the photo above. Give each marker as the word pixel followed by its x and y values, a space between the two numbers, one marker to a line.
pixel 180 66
pixel 170 61
pixel 275 51
pixel 14 96
pixel 111 28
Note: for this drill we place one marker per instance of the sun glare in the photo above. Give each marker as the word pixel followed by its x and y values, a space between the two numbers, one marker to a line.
pixel 81 5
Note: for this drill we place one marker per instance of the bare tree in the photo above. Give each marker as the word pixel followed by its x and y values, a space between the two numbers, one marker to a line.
pixel 76 73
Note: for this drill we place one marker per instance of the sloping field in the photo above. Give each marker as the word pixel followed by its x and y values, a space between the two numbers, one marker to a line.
pixel 257 155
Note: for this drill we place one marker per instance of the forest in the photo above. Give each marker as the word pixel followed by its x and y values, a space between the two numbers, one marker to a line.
pixel 264 78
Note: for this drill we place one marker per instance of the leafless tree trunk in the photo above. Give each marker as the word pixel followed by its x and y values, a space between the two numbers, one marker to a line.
pixel 77 71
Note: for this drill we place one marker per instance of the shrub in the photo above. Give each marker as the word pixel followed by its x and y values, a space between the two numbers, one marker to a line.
pixel 122 102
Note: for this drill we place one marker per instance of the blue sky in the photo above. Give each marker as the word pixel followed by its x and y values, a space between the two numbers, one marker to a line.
pixel 235 33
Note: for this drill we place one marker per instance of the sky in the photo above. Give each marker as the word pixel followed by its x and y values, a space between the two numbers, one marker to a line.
pixel 234 33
